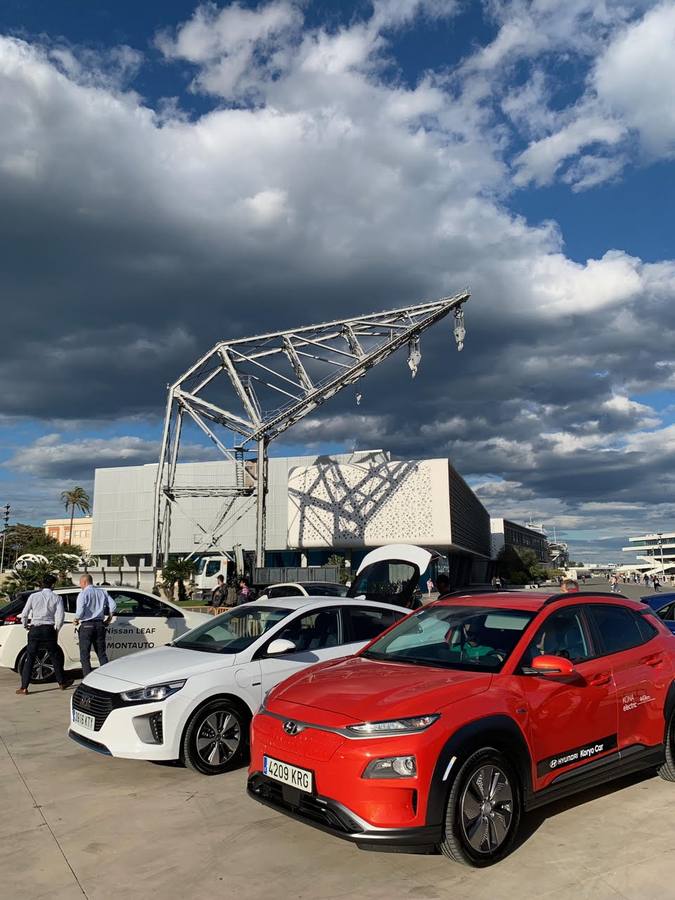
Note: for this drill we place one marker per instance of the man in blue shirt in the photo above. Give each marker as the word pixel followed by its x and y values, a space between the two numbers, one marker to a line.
pixel 95 608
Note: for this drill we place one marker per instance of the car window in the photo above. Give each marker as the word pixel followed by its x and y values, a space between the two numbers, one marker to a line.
pixel 455 637
pixel 70 601
pixel 667 612
pixel 130 604
pixel 284 592
pixel 646 628
pixel 618 627
pixel 326 590
pixel 232 631
pixel 390 581
pixel 213 567
pixel 562 634
pixel 363 623
pixel 313 631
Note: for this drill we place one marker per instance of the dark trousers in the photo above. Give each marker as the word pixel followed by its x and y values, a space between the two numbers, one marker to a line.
pixel 92 634
pixel 42 637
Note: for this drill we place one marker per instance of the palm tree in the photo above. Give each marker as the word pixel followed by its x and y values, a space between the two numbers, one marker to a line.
pixel 177 571
pixel 77 498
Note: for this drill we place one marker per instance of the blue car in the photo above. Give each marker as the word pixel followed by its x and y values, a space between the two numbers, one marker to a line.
pixel 664 606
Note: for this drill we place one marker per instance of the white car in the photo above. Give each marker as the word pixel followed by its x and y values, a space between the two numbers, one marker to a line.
pixel 141 621
pixel 193 701
pixel 303 589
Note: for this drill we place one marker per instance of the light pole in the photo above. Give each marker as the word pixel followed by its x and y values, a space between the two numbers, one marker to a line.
pixel 659 535
pixel 6 510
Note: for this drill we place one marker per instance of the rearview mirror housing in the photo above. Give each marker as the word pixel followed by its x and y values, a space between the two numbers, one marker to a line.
pixel 280 646
pixel 554 666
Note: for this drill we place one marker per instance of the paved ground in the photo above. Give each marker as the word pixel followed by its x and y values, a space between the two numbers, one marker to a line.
pixel 76 824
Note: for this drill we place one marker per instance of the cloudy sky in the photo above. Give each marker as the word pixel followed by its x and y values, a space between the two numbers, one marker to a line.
pixel 173 174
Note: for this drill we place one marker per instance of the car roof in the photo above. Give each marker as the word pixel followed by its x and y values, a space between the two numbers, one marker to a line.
pixel 293 603
pixel 530 601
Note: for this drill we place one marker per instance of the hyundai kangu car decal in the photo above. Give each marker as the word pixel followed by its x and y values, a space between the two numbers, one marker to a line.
pixel 584 753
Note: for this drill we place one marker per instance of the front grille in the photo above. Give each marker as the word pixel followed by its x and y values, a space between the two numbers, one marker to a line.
pixel 95 703
pixel 316 809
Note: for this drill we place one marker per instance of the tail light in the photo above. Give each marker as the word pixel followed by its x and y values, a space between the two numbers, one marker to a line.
pixel 10 620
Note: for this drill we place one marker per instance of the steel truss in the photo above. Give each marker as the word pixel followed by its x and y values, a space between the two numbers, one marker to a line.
pixel 306 366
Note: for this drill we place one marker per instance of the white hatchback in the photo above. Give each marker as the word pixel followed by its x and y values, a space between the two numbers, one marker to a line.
pixel 193 701
pixel 141 621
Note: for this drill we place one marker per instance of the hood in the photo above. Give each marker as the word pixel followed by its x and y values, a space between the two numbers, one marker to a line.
pixel 364 690
pixel 157 665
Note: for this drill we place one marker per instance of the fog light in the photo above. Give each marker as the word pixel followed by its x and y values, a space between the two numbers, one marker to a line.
pixel 392 767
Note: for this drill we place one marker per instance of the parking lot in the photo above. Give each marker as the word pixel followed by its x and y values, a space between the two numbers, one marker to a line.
pixel 73 824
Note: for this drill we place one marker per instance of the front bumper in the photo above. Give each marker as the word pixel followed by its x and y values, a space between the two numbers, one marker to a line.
pixel 336 819
pixel 124 729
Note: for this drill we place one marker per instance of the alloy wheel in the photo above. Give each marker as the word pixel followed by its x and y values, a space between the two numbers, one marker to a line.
pixel 43 668
pixel 486 809
pixel 218 738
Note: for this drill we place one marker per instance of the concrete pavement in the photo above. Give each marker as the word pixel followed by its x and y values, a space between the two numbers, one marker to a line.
pixel 75 824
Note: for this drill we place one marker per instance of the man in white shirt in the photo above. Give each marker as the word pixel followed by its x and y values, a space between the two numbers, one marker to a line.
pixel 43 617
pixel 93 612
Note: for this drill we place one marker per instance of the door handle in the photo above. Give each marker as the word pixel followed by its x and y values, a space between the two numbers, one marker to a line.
pixel 600 678
pixel 655 660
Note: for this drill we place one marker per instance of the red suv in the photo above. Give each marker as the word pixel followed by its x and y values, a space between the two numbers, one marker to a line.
pixel 465 714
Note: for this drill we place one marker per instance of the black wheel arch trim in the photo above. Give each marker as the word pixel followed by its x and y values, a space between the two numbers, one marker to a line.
pixel 669 707
pixel 498 731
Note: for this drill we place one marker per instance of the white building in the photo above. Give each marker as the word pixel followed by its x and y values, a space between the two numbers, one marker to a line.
pixel 317 505
pixel 655 553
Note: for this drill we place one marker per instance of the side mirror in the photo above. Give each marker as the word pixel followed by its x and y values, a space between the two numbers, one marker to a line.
pixel 280 646
pixel 555 666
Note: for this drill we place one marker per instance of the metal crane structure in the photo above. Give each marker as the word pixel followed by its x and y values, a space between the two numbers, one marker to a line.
pixel 305 366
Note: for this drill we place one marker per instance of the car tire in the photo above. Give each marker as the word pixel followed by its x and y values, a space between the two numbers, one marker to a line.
pixel 483 810
pixel 216 738
pixel 43 670
pixel 667 769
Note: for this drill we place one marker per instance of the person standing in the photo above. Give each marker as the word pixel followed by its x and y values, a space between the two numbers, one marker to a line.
pixel 219 593
pixel 94 611
pixel 245 594
pixel 43 616
pixel 569 586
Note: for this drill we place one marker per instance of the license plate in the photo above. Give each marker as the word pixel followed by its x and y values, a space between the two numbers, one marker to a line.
pixel 287 774
pixel 83 719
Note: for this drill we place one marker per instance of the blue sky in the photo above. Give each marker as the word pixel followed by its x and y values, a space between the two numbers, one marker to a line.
pixel 173 173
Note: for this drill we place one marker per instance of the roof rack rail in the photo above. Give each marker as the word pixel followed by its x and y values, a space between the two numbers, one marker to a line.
pixel 568 595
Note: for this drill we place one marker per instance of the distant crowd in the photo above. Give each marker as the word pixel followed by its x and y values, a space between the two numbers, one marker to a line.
pixel 652 581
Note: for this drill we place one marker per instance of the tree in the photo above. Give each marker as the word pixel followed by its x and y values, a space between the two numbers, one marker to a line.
pixel 30 577
pixel 76 498
pixel 177 572
pixel 30 539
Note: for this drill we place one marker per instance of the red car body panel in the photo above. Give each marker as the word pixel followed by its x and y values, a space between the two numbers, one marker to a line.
pixel 612 704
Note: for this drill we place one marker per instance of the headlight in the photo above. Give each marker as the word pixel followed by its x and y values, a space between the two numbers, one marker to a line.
pixel 155 692
pixel 392 767
pixel 393 727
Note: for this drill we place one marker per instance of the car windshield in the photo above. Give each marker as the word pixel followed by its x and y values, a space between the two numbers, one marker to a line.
pixel 233 631
pixel 454 637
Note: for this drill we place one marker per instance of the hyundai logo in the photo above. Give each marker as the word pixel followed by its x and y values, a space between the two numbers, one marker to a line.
pixel 84 701
pixel 291 728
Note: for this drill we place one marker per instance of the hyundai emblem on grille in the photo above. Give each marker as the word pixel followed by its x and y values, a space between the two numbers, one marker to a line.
pixel 291 728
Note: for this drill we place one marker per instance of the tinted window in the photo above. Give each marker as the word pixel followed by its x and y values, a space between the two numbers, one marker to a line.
pixel 233 631
pixel 562 634
pixel 667 613
pixel 284 592
pixel 213 567
pixel 454 637
pixel 129 604
pixel 70 601
pixel 314 631
pixel 646 628
pixel 618 628
pixel 326 590
pixel 363 624
pixel 388 581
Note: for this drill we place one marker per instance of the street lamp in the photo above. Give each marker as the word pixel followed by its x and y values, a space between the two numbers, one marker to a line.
pixel 659 535
pixel 5 514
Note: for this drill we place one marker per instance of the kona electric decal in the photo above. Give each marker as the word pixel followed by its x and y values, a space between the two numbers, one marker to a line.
pixel 632 701
pixel 585 753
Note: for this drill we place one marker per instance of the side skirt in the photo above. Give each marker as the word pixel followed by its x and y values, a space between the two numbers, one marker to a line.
pixel 625 762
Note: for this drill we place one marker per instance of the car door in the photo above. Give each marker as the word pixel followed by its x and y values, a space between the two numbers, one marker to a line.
pixel 363 623
pixel 68 635
pixel 140 623
pixel 635 652
pixel 570 720
pixel 318 635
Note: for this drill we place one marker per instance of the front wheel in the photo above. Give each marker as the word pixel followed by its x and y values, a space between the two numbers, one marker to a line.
pixel 216 738
pixel 483 810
